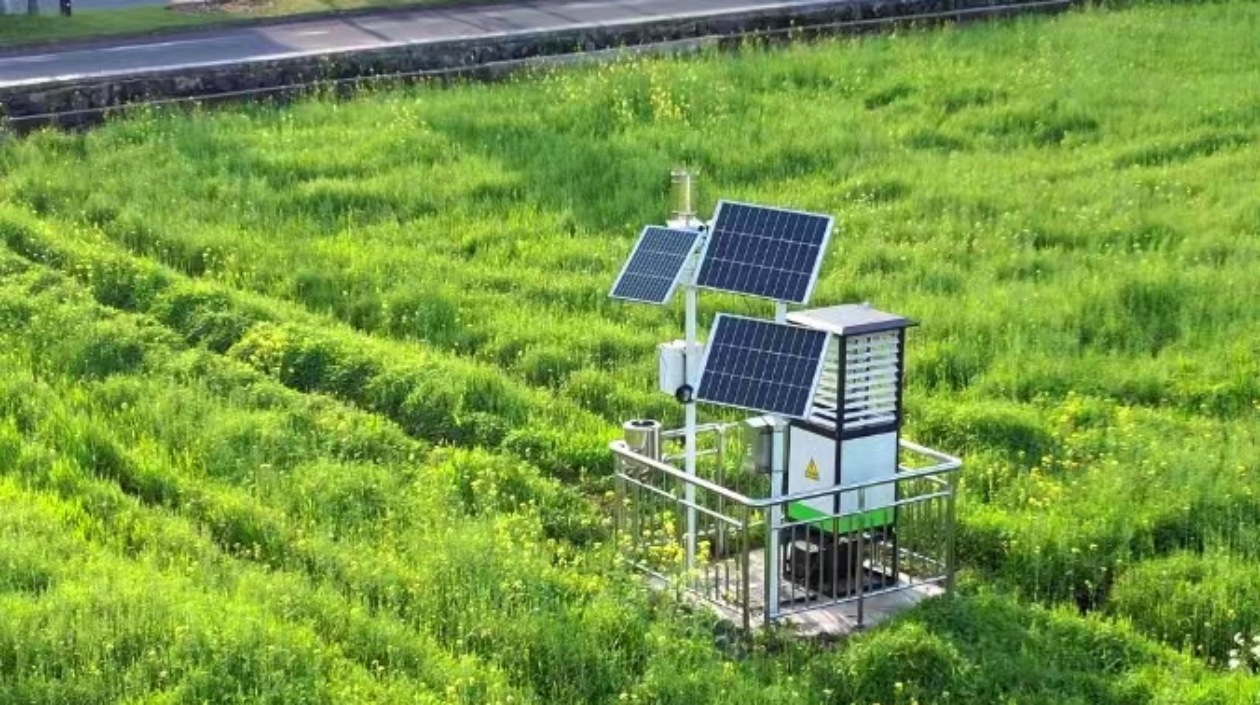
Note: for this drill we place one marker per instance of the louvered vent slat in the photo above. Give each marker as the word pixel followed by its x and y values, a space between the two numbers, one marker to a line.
pixel 870 382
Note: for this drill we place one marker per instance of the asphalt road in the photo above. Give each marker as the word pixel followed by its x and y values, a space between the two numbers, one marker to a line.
pixel 51 7
pixel 363 32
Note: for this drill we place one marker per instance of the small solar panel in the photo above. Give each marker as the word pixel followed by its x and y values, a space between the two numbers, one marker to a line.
pixel 761 365
pixel 766 252
pixel 651 273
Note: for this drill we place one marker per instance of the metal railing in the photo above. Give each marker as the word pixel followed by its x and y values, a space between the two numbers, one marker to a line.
pixel 754 574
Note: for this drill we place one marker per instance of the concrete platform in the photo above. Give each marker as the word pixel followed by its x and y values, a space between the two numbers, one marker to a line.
pixel 808 613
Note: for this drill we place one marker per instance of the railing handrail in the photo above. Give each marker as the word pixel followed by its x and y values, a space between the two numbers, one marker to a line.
pixel 684 502
pixel 947 464
pixel 640 488
pixel 620 448
pixel 713 427
pixel 944 458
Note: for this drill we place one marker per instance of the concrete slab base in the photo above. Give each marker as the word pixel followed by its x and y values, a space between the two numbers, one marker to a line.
pixel 806 613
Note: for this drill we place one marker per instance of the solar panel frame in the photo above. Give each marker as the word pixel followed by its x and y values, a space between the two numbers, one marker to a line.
pixel 774 381
pixel 659 264
pixel 755 278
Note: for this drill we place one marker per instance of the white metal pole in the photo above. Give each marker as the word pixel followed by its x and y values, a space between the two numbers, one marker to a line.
pixel 685 217
pixel 690 432
pixel 778 466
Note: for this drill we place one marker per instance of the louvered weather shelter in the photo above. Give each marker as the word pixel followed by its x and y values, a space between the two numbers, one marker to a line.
pixel 850 436
pixel 834 376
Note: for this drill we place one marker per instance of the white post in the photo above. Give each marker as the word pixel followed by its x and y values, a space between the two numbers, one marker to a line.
pixel 684 217
pixel 690 410
pixel 778 466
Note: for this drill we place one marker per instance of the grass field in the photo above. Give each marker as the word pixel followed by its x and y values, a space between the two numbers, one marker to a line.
pixel 309 403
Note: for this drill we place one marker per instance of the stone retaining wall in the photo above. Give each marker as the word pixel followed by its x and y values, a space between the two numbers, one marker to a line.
pixel 76 102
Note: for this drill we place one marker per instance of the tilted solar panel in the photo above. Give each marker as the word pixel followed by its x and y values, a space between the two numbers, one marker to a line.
pixel 761 365
pixel 651 273
pixel 767 252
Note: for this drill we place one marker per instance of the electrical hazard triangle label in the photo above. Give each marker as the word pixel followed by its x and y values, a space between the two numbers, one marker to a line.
pixel 811 470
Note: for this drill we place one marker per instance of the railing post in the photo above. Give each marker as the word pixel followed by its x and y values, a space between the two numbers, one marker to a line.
pixel 951 483
pixel 892 533
pixel 636 521
pixel 770 586
pixel 619 514
pixel 684 531
pixel 720 540
pixel 745 568
pixel 861 555
pixel 774 517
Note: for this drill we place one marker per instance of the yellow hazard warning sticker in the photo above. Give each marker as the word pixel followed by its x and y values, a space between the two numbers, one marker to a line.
pixel 811 470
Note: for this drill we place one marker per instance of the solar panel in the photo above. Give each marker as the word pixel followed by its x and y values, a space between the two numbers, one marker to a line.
pixel 761 365
pixel 652 270
pixel 766 252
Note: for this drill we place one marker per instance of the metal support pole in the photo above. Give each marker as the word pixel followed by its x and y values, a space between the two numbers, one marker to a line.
pixel 774 517
pixel 690 439
pixel 745 576
pixel 952 483
pixel 774 520
pixel 861 557
pixel 683 181
pixel 720 544
pixel 619 526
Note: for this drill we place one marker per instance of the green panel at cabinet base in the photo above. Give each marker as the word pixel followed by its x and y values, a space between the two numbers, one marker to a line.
pixel 845 524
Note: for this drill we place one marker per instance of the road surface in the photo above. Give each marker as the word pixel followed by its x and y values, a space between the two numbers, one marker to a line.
pixel 242 44
pixel 51 7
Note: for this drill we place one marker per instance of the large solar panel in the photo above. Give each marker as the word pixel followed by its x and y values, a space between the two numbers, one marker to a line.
pixel 761 365
pixel 766 252
pixel 651 273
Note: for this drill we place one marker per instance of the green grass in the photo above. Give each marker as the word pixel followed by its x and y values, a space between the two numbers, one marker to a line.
pixel 336 377
pixel 17 30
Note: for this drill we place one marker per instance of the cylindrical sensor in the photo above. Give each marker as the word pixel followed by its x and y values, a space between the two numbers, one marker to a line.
pixel 643 436
pixel 683 182
pixel 759 441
